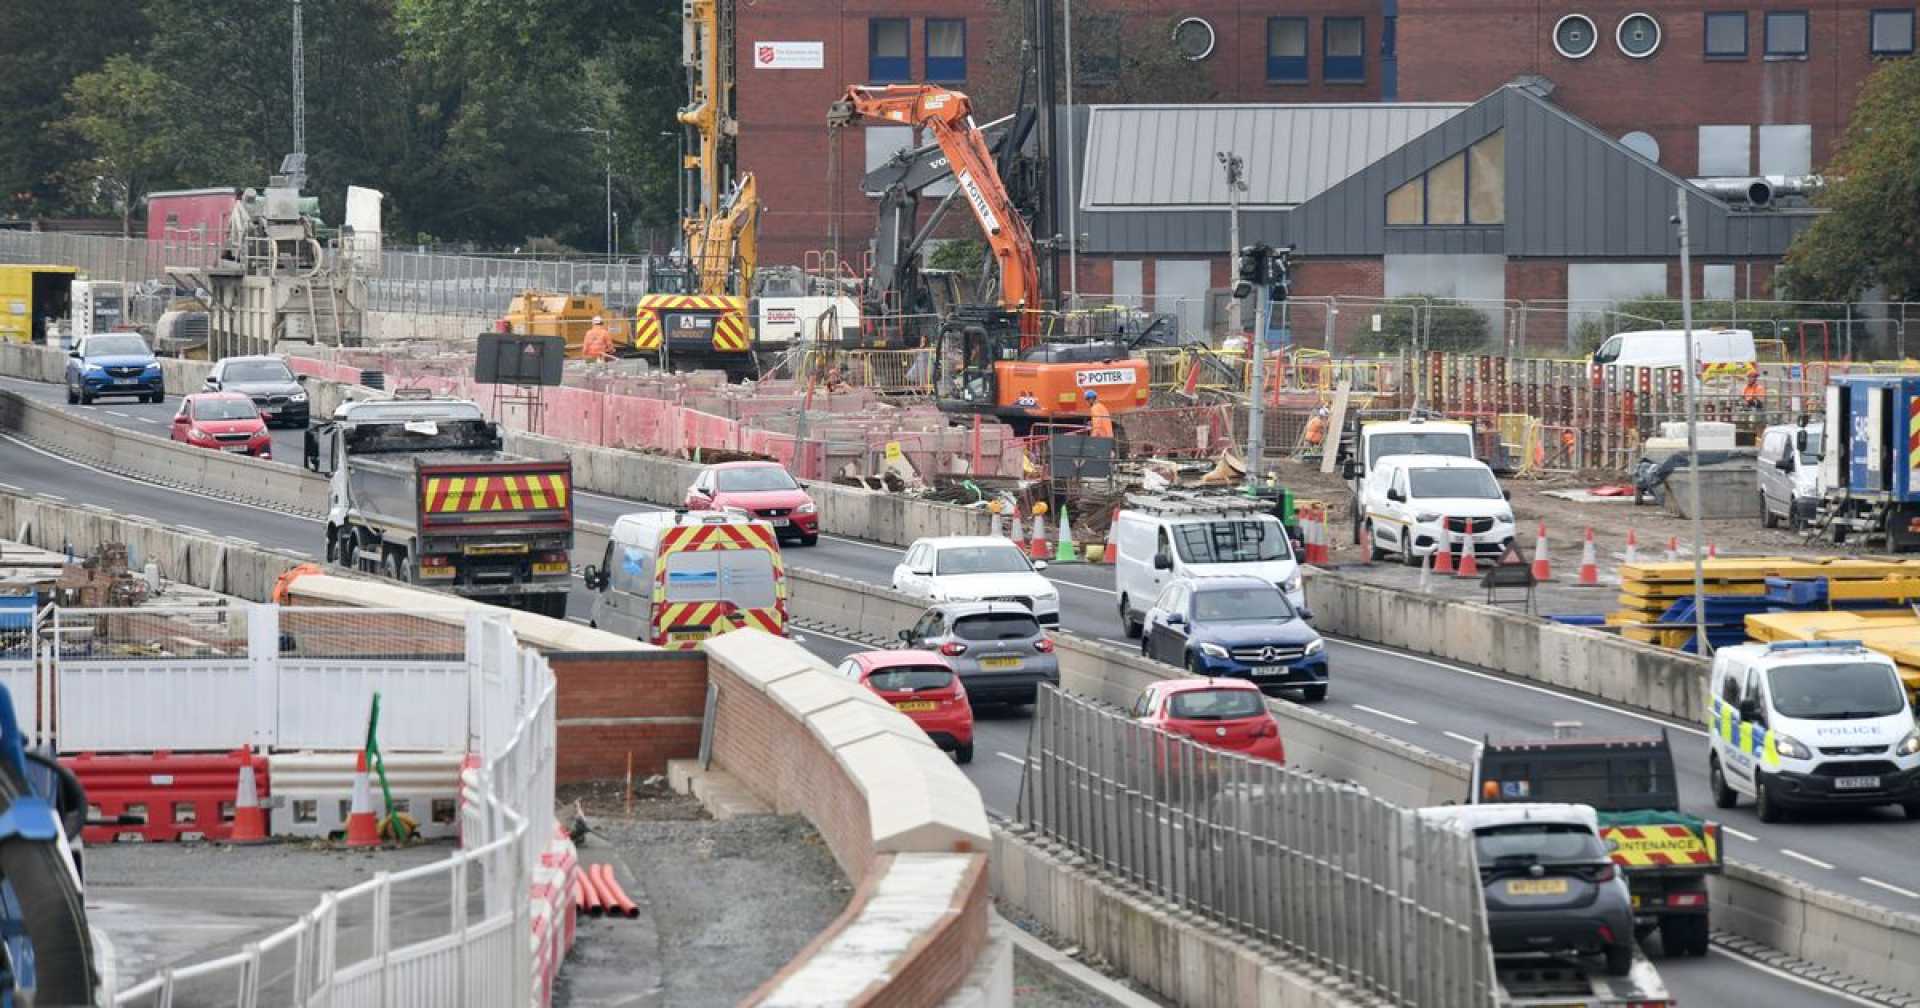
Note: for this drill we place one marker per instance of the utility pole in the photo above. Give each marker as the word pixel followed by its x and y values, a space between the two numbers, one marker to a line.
pixel 299 158
pixel 1264 267
pixel 1073 177
pixel 1047 221
pixel 1236 184
pixel 1693 424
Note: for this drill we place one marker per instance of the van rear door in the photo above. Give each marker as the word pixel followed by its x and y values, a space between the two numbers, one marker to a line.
pixel 712 578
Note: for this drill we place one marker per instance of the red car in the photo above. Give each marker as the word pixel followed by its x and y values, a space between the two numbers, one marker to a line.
pixel 1229 714
pixel 223 421
pixel 763 490
pixel 921 685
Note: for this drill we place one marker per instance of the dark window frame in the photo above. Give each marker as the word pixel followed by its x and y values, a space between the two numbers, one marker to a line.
pixel 1874 15
pixel 940 68
pixel 1348 69
pixel 1766 31
pixel 1288 69
pixel 1706 34
pixel 889 69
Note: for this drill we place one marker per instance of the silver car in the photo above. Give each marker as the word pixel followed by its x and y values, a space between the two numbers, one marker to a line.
pixel 999 650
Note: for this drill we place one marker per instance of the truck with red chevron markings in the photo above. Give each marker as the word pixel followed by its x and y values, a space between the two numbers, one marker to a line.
pixel 421 491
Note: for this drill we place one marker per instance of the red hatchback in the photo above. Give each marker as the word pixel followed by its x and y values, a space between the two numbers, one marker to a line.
pixel 763 490
pixel 223 421
pixel 921 685
pixel 1229 714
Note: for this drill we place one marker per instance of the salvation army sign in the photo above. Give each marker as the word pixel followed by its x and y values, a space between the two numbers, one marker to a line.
pixel 789 55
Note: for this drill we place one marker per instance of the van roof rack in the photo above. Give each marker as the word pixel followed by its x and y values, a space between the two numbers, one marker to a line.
pixel 1197 502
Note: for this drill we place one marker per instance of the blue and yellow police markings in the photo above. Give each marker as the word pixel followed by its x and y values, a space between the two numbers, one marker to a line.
pixel 1743 736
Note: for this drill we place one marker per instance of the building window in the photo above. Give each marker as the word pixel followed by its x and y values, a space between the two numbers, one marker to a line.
pixel 1467 188
pixel 947 50
pixel 889 55
pixel 1725 151
pixel 1286 50
pixel 1786 35
pixel 1408 204
pixel 1892 33
pixel 1785 149
pixel 1727 35
pixel 1097 60
pixel 1343 58
pixel 1447 191
pixel 1487 180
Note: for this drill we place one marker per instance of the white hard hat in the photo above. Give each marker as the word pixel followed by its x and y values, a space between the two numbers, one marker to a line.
pixel 596 320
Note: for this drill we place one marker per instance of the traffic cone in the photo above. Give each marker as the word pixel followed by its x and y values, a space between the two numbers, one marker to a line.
pixel 1037 546
pixel 998 527
pixel 1111 553
pixel 1542 567
pixel 249 819
pixel 1673 549
pixel 1469 563
pixel 1063 549
pixel 1589 565
pixel 1713 552
pixel 1443 553
pixel 1633 546
pixel 362 831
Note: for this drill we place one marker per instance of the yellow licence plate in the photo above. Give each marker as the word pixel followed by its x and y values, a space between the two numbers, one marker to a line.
pixel 1537 887
pixel 678 636
pixel 1000 663
pixel 550 568
pixel 506 549
pixel 914 705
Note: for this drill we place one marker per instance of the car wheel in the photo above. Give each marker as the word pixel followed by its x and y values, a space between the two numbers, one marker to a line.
pixel 86 397
pixel 1374 552
pixel 1767 520
pixel 1911 809
pixel 1194 668
pixel 1128 625
pixel 71 397
pixel 1685 935
pixel 1764 805
pixel 1314 694
pixel 1723 796
pixel 1796 519
pixel 393 565
pixel 963 754
pixel 1620 957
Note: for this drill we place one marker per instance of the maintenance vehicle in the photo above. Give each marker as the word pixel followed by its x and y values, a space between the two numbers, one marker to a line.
pixel 1870 473
pixel 422 492
pixel 677 578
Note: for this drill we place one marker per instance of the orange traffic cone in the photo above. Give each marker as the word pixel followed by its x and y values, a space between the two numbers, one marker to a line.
pixel 1443 553
pixel 1633 546
pixel 1673 549
pixel 1037 546
pixel 1542 567
pixel 1713 552
pixel 362 831
pixel 1111 554
pixel 1469 564
pixel 249 819
pixel 1589 564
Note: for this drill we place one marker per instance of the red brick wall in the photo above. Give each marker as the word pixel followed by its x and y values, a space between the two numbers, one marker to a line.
pixel 647 704
pixel 1459 50
pixel 1332 277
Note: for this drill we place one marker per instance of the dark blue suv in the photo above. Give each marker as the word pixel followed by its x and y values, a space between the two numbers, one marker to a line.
pixel 1236 627
pixel 113 364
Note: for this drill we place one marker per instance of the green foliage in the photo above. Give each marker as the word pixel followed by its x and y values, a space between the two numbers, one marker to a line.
pixel 1767 319
pixel 1450 326
pixel 963 255
pixel 44 45
pixel 1868 239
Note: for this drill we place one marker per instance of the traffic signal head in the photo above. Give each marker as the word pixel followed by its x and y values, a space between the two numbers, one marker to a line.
pixel 1252 271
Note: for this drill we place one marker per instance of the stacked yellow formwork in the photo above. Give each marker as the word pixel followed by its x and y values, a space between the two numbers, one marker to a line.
pixel 1647 590
pixel 1892 632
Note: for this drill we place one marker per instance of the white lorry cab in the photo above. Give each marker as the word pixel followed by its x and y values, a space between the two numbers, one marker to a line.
pixel 677 578
pixel 1380 439
pixel 1728 350
pixel 1810 723
pixel 1159 537
pixel 1413 505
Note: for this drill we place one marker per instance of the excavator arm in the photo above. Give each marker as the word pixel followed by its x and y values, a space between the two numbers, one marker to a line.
pixel 726 245
pixel 949 116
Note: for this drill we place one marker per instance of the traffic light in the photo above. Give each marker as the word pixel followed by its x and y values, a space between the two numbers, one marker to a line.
pixel 1279 272
pixel 1253 269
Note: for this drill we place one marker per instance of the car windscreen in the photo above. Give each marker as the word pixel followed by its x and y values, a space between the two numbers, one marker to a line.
pixel 116 346
pixel 910 677
pixel 980 560
pixel 996 627
pixel 1241 605
pixel 1469 483
pixel 1419 443
pixel 1835 691
pixel 1215 705
pixel 752 479
pixel 1537 841
pixel 1815 442
pixel 225 409
pixel 1231 541
pixel 258 371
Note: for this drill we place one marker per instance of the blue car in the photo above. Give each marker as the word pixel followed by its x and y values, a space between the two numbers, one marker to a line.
pixel 1236 627
pixel 113 364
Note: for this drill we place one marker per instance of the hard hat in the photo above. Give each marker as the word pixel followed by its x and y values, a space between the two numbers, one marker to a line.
pixel 1092 395
pixel 596 320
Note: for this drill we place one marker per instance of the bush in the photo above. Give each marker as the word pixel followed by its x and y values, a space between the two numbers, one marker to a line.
pixel 1452 326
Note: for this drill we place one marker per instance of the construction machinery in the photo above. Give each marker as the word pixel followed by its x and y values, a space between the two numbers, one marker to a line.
pixel 568 316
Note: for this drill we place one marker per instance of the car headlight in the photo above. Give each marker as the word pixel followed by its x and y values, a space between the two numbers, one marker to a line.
pixel 1909 745
pixel 1426 517
pixel 92 369
pixel 807 508
pixel 1790 747
pixel 1315 646
pixel 1213 650
pixel 153 368
pixel 1291 584
pixel 1504 518
pixel 297 397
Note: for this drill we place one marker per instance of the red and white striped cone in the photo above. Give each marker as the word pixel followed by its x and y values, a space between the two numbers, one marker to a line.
pixel 1469 566
pixel 1713 552
pixel 1542 567
pixel 362 830
pixel 1443 553
pixel 1589 563
pixel 249 819
pixel 1037 546
pixel 1673 549
pixel 1633 549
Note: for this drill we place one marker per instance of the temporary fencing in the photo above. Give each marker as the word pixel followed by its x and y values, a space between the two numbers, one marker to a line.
pixel 180 796
pixel 1359 887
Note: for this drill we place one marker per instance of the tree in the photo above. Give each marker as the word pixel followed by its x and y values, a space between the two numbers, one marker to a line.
pixel 44 45
pixel 1451 327
pixel 1868 238
pixel 120 111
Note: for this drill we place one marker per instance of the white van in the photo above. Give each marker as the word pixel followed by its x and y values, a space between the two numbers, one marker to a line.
pixel 1722 348
pixel 1413 505
pixel 1810 723
pixel 677 578
pixel 1159 537
pixel 1380 439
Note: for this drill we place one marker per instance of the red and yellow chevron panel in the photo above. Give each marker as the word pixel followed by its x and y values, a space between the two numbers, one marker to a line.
pixel 646 332
pixel 1655 845
pixel 731 334
pixel 477 494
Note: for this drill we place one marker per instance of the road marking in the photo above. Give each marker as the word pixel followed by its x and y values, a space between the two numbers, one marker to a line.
pixel 9 486
pixel 146 419
pixel 193 528
pixel 1797 856
pixel 115 412
pixel 1021 760
pixel 157 486
pixel 1384 714
pixel 240 540
pixel 1888 886
pixel 1742 834
pixel 1832 992
pixel 844 640
pixel 57 497
pixel 1456 735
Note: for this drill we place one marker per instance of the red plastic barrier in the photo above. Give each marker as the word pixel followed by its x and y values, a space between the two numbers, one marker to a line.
pixel 183 796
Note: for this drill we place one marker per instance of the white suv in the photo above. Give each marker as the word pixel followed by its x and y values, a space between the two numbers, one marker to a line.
pixel 1411 504
pixel 977 569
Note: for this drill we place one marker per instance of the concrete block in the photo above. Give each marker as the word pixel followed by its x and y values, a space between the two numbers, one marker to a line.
pixel 761 659
pixel 846 723
pixel 1726 492
pixel 917 799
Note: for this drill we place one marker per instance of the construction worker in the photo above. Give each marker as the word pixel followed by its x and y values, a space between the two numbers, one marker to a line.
pixel 1754 394
pixel 1317 428
pixel 598 345
pixel 1101 415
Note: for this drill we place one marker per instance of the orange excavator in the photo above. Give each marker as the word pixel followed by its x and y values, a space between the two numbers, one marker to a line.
pixel 994 359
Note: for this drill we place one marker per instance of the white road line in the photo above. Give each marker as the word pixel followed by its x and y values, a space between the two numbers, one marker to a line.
pixel 9 486
pixel 843 640
pixel 165 489
pixel 240 540
pixel 1888 886
pixel 1462 738
pixel 57 497
pixel 1780 974
pixel 1021 760
pixel 1384 714
pixel 115 412
pixel 1742 834
pixel 1797 856
pixel 146 419
pixel 193 528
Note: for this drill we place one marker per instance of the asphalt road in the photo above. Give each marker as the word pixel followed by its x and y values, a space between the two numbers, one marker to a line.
pixel 1436 705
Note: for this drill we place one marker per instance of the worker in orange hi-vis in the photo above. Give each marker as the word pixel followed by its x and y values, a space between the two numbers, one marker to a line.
pixel 1102 416
pixel 1317 428
pixel 598 345
pixel 1755 394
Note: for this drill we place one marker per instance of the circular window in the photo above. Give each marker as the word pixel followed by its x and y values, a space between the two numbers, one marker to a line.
pixel 1194 39
pixel 1643 145
pixel 1574 36
pixel 1638 35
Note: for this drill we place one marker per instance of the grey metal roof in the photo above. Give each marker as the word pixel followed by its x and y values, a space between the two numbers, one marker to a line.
pixel 1164 156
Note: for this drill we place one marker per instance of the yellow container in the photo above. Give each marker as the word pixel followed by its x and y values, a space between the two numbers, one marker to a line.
pixel 31 294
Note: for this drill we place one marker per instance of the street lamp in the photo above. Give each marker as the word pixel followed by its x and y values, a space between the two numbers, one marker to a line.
pixel 608 133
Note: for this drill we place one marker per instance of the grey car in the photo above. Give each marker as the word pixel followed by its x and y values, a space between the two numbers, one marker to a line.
pixel 999 650
pixel 280 394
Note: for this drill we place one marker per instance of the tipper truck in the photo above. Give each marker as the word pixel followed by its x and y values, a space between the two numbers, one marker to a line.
pixel 1870 471
pixel 421 492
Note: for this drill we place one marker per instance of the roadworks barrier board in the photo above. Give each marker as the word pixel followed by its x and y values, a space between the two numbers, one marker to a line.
pixel 312 792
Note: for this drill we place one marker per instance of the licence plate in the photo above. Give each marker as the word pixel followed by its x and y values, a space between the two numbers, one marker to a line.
pixel 551 568
pixel 688 636
pixel 914 705
pixel 1000 663
pixel 1856 783
pixel 1537 887
pixel 126 381
pixel 777 522
pixel 237 448
pixel 1266 671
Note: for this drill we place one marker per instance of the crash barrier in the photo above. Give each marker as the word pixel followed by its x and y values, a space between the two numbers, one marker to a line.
pixel 904 824
pixel 312 789
pixel 178 796
pixel 476 945
pixel 1319 867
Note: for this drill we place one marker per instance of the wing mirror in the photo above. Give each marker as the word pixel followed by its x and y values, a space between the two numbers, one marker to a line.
pixel 594 578
pixel 1784 464
pixel 1162 562
pixel 1395 495
pixel 1350 470
pixel 906 636
pixel 1749 710
pixel 1800 440
pixel 1175 619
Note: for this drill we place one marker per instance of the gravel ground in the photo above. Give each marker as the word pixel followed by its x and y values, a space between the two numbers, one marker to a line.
pixel 1035 987
pixel 306 867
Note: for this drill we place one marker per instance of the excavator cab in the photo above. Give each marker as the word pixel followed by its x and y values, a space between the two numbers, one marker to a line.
pixel 969 345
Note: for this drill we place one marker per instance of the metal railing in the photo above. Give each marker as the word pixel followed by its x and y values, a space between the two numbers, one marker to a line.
pixel 1357 886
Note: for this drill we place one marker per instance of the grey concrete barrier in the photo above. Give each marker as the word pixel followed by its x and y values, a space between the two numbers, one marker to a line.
pixel 1828 929
pixel 34 363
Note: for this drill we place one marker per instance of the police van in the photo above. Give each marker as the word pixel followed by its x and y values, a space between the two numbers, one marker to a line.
pixel 1800 724
pixel 675 579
